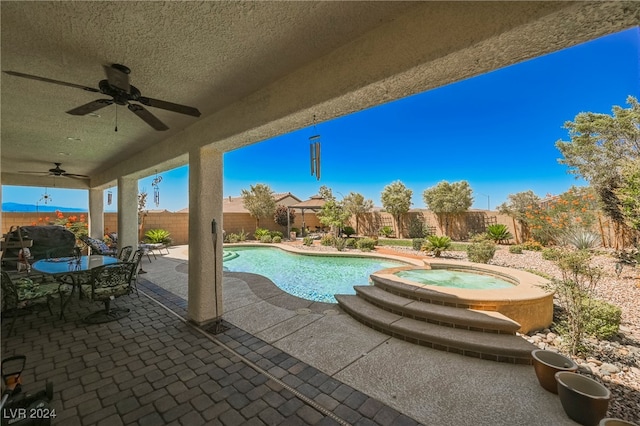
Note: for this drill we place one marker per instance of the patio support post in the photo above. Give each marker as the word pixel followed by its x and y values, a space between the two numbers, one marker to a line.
pixel 127 212
pixel 205 247
pixel 96 213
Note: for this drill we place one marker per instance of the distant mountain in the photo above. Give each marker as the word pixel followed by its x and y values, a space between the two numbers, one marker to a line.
pixel 21 208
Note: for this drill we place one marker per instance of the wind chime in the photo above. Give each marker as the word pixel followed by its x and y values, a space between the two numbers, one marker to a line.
pixel 46 198
pixel 109 197
pixel 156 189
pixel 314 152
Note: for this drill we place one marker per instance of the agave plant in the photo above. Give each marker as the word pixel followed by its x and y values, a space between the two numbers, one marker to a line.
pixel 499 233
pixel 580 238
pixel 436 244
pixel 158 236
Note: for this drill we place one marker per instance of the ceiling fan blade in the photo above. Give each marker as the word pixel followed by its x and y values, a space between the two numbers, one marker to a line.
pixel 90 107
pixel 33 173
pixel 74 176
pixel 50 80
pixel 170 106
pixel 149 118
pixel 117 77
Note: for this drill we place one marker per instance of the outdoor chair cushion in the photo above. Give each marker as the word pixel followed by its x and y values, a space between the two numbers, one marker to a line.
pixel 98 246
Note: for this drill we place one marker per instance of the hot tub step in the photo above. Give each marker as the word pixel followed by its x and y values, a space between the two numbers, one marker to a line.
pixel 470 319
pixel 495 347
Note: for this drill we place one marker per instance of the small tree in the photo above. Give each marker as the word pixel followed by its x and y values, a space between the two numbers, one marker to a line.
pixel 517 206
pixel 142 213
pixel 448 200
pixel 356 205
pixel 281 218
pixel 629 193
pixel 333 212
pixel 258 200
pixel 396 199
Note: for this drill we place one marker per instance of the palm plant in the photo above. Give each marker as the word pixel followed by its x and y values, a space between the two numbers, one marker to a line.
pixel 499 233
pixel 436 244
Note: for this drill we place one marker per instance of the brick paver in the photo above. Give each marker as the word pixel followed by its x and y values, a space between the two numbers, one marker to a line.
pixel 151 368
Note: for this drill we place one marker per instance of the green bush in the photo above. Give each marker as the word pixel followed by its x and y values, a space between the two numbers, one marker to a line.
pixel 417 243
pixel 351 243
pixel 242 236
pixel 307 241
pixel 233 238
pixel 327 240
pixel 266 239
pixel 340 243
pixel 261 232
pixel 499 233
pixel 481 250
pixel 366 244
pixel 515 249
pixel 276 234
pixel 550 253
pixel 348 231
pixel 276 239
pixel 386 231
pixel 436 244
pixel 602 319
pixel 296 230
pixel 158 236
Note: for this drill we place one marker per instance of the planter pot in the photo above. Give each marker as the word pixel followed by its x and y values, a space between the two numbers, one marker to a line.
pixel 583 399
pixel 615 422
pixel 546 364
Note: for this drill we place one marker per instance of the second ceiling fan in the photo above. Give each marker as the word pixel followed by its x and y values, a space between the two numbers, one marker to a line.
pixel 117 86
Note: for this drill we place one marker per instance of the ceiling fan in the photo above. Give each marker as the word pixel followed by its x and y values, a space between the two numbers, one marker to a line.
pixel 57 171
pixel 121 92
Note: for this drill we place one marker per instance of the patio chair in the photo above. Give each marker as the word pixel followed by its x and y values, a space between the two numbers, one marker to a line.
pixel 107 283
pixel 125 253
pixel 24 292
pixel 137 259
pixel 98 247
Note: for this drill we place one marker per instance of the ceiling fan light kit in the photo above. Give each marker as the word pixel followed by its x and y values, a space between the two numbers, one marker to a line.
pixel 118 87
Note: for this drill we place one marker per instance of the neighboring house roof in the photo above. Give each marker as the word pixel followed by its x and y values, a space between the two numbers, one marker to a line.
pixel 314 203
pixel 235 204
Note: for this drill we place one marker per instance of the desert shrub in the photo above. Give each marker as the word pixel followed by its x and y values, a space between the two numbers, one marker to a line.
pixel 340 243
pixel 436 244
pixel 307 241
pixel 266 239
pixel 499 233
pixel 276 234
pixel 242 236
pixel 550 253
pixel 348 231
pixel 233 238
pixel 327 240
pixel 602 319
pixel 531 245
pixel 580 238
pixel 366 244
pixel 351 243
pixel 515 249
pixel 158 236
pixel 417 243
pixel 296 230
pixel 482 249
pixel 276 239
pixel 386 231
pixel 261 232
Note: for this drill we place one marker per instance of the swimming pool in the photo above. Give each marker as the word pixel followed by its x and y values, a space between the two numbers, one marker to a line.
pixel 454 279
pixel 310 277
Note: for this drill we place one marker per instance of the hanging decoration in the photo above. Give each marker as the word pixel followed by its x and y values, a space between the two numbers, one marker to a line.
pixel 46 198
pixel 314 152
pixel 109 197
pixel 156 189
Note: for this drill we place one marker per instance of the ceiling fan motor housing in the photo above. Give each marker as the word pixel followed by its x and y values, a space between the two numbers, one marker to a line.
pixel 119 96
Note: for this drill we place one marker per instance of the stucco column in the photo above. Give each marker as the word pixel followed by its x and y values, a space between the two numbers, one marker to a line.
pixel 205 263
pixel 96 213
pixel 127 212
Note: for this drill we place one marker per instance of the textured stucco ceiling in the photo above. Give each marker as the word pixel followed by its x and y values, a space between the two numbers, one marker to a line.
pixel 254 69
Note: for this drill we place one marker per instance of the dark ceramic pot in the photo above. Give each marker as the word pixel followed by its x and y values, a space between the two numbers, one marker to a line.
pixel 615 422
pixel 546 364
pixel 583 399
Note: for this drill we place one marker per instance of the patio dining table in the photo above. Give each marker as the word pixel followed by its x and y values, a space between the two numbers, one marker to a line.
pixel 71 270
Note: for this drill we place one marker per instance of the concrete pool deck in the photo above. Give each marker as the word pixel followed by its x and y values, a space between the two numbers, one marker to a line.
pixel 430 386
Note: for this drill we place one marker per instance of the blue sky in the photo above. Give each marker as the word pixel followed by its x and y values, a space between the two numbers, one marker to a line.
pixel 497 131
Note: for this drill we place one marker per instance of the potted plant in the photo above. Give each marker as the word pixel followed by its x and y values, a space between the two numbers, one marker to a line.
pixel 584 400
pixel 547 363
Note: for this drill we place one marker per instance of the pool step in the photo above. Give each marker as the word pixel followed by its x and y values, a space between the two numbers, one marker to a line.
pixel 491 346
pixel 469 319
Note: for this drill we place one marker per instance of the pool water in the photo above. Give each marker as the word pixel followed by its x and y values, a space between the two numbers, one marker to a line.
pixel 315 278
pixel 454 279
